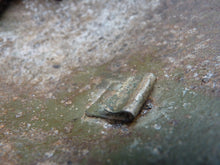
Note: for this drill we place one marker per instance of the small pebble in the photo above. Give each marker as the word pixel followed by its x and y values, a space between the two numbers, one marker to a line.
pixel 49 154
pixel 19 114
pixel 205 80
pixel 56 66
pixel 157 126
pixel 68 102
pixel 28 125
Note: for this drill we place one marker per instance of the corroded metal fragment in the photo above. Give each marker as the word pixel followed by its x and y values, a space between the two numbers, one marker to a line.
pixel 121 100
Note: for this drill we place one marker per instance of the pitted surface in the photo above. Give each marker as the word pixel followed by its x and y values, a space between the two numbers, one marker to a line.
pixel 53 55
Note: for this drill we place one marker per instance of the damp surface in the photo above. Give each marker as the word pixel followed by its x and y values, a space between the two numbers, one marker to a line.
pixel 53 55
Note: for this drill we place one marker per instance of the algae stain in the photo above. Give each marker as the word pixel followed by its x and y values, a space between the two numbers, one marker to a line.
pixel 54 114
pixel 45 114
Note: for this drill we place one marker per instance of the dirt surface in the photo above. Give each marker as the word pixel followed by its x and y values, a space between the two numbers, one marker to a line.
pixel 54 53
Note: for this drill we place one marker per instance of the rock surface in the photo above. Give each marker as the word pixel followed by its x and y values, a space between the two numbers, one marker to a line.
pixel 53 55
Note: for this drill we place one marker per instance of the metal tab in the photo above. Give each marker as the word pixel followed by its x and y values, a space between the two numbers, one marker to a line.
pixel 121 100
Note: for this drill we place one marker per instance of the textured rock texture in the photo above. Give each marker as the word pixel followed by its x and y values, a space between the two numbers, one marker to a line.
pixel 54 54
pixel 47 39
pixel 44 41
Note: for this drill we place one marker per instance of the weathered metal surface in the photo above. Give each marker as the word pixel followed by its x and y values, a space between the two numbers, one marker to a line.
pixel 122 100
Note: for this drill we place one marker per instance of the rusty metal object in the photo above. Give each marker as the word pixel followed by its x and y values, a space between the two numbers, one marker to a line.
pixel 121 100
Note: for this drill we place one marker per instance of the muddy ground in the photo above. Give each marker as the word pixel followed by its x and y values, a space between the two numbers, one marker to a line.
pixel 53 55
